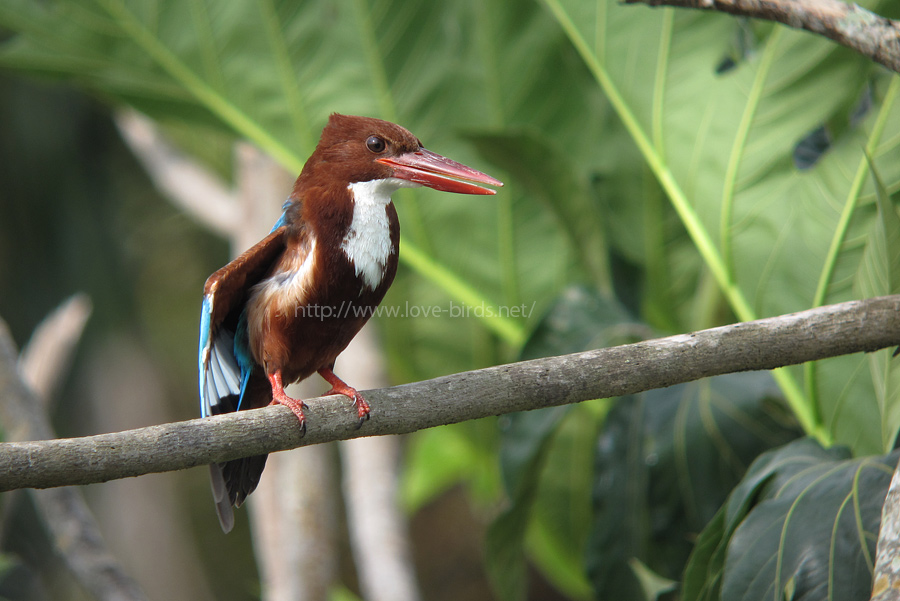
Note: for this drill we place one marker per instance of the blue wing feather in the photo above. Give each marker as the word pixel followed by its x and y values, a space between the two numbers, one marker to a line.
pixel 203 359
pixel 220 374
pixel 241 349
pixel 225 362
pixel 283 219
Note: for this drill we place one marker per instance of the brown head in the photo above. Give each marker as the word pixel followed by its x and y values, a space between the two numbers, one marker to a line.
pixel 360 149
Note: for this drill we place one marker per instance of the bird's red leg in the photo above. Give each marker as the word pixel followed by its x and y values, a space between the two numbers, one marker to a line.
pixel 280 397
pixel 338 386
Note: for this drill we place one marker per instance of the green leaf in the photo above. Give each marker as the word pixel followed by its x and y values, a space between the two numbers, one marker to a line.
pixel 439 458
pixel 703 573
pixel 342 593
pixel 559 529
pixel 582 319
pixel 652 584
pixel 805 521
pixel 272 70
pixel 666 460
pixel 880 266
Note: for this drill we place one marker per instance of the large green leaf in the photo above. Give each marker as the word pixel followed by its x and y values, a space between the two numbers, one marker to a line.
pixel 801 525
pixel 665 461
pixel 442 457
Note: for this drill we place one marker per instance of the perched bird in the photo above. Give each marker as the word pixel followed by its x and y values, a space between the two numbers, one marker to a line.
pixel 286 308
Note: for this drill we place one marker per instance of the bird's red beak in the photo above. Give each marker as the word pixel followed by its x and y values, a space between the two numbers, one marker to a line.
pixel 438 172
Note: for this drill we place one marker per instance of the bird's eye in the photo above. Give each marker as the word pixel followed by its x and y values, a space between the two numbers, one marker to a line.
pixel 375 144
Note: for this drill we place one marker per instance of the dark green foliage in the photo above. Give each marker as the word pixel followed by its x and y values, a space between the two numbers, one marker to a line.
pixel 802 524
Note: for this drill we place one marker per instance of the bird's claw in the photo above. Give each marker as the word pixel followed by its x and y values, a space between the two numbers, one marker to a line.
pixel 296 406
pixel 362 407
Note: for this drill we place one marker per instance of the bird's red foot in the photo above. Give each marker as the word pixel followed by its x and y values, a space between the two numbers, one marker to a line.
pixel 280 397
pixel 338 386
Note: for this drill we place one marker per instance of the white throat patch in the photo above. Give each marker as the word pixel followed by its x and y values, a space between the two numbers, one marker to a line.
pixel 368 241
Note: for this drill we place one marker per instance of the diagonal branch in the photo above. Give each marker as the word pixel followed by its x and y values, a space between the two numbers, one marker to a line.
pixel 46 358
pixel 847 24
pixel 829 331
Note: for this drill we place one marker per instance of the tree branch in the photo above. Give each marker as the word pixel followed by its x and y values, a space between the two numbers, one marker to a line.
pixel 829 331
pixel 847 24
pixel 45 360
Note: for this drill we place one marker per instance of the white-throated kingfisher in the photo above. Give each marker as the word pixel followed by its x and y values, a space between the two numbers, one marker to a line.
pixel 287 307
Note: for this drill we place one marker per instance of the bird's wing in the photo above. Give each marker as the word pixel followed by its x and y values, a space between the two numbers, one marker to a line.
pixel 225 366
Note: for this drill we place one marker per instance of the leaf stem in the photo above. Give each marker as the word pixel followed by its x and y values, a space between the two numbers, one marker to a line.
pixel 510 330
pixel 288 79
pixel 862 170
pixel 659 88
pixel 843 226
pixel 206 95
pixel 737 148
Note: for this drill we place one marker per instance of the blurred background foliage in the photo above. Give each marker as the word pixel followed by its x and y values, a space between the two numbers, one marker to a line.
pixel 666 171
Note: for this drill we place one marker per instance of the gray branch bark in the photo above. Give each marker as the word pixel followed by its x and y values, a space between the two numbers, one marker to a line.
pixel 847 24
pixel 829 331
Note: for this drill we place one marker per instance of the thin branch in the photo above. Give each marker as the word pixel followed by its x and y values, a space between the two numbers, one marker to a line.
pixel 829 331
pixel 850 25
pixel 46 358
pixel 63 510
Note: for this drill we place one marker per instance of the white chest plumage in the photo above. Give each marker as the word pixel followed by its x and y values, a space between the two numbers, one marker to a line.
pixel 368 241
